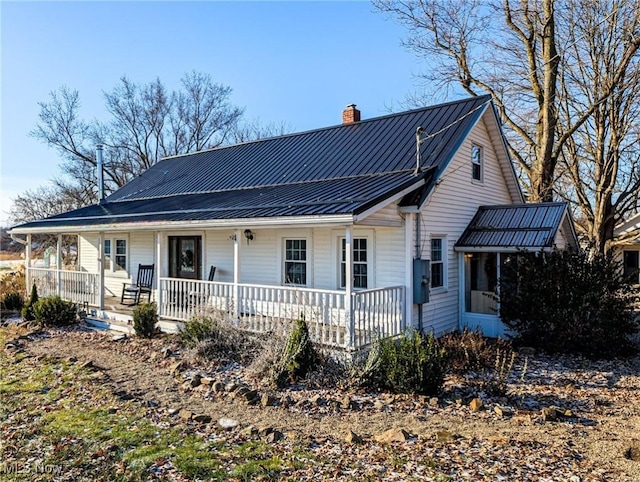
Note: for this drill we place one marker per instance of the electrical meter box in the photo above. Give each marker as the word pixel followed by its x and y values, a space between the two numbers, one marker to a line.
pixel 421 281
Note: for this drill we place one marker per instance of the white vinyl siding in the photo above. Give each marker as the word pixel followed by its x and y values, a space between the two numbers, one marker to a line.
pixel 451 207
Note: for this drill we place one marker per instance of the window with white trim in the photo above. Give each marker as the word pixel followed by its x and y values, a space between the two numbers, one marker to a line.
pixel 437 262
pixel 115 255
pixel 295 262
pixel 631 260
pixel 360 263
pixel 476 163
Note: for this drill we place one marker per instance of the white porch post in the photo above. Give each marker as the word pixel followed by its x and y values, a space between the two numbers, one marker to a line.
pixel 159 271
pixel 348 287
pixel 59 265
pixel 236 274
pixel 408 275
pixel 27 264
pixel 101 270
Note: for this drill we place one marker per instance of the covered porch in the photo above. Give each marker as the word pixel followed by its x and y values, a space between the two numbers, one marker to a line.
pixel 348 318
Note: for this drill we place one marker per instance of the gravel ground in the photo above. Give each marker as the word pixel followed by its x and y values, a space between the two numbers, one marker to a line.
pixel 587 436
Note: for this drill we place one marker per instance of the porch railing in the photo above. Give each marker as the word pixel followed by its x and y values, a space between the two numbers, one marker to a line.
pixel 263 309
pixel 76 286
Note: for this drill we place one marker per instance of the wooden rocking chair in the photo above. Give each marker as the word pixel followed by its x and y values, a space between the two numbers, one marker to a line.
pixel 133 292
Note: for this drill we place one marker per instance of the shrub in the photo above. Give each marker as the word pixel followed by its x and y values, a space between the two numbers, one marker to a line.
pixel 471 351
pixel 412 363
pixel 571 302
pixel 27 311
pixel 12 302
pixel 54 311
pixel 145 317
pixel 298 356
pixel 14 282
pixel 213 338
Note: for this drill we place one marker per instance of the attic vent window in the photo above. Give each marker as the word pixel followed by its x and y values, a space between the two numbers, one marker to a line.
pixel 476 163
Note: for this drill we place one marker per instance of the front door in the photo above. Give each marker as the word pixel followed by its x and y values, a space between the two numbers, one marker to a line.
pixel 185 257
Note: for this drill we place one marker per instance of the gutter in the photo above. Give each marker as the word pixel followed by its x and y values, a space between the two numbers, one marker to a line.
pixel 23 242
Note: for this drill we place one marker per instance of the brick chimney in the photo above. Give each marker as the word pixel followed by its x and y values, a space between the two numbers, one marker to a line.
pixel 350 114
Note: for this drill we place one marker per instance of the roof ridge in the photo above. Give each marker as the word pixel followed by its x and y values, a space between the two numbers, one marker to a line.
pixel 338 126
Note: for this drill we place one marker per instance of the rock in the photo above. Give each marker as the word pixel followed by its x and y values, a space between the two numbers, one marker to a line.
pixel 476 405
pixel 72 359
pixel 185 414
pixel 353 438
pixel 218 387
pixel 250 395
pixel 112 410
pixel 268 400
pixel 228 423
pixel 633 453
pixel 568 413
pixel 549 414
pixel 152 404
pixel 264 431
pixel 347 404
pixel 273 437
pixel 317 401
pixel 231 387
pixel 172 411
pixel 202 418
pixel 499 411
pixel 527 350
pixel 250 431
pixel 379 405
pixel 178 368
pixel 444 436
pixel 195 381
pixel 119 337
pixel 393 435
pixel 206 381
pixel 88 364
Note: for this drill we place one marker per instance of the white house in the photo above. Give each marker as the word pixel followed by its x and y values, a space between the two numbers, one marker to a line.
pixel 327 224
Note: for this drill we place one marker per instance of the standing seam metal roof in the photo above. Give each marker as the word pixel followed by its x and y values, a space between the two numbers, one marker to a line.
pixel 340 169
pixel 531 226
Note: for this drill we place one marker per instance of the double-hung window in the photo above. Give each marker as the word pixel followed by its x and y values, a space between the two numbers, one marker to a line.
pixel 115 254
pixel 360 266
pixel 295 262
pixel 476 163
pixel 437 262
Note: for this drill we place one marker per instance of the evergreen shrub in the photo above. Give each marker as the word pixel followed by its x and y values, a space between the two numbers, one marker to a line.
pixel 145 317
pixel 54 311
pixel 569 302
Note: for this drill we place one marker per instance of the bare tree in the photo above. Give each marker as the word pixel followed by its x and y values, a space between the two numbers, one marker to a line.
pixel 602 158
pixel 255 129
pixel 519 53
pixel 147 123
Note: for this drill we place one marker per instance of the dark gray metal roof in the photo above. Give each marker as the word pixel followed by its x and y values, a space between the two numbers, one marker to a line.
pixel 341 169
pixel 526 226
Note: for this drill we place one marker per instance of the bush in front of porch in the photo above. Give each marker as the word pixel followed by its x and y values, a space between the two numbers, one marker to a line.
pixel 54 311
pixel 411 363
pixel 145 317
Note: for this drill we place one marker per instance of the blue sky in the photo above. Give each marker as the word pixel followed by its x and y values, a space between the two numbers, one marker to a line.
pixel 297 63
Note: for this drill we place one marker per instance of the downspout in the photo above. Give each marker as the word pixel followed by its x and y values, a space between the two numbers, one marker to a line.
pixel 27 258
pixel 419 256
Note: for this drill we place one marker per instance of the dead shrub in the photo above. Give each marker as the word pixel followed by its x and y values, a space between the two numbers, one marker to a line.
pixel 212 337
pixel 470 351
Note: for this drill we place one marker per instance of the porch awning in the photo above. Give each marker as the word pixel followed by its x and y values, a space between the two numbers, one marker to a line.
pixel 513 227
